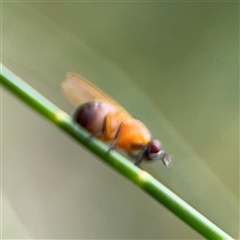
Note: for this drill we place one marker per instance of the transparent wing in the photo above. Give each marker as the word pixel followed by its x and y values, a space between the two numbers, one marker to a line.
pixel 79 90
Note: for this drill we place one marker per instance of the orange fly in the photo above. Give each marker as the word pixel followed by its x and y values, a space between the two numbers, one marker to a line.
pixel 107 120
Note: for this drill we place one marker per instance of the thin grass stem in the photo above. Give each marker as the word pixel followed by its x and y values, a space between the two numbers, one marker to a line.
pixel 141 178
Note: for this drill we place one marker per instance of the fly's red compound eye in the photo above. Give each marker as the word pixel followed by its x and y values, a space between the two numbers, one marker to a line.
pixel 154 147
pixel 155 152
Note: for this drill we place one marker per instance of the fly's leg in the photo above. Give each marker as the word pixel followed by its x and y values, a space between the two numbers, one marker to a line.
pixel 113 143
pixel 140 156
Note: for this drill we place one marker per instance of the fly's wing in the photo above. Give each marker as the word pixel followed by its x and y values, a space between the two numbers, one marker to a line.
pixel 79 90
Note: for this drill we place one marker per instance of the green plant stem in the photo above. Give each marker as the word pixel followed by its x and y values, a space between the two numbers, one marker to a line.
pixel 138 176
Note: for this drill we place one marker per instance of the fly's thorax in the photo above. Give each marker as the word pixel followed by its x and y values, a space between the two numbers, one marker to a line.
pixel 134 135
pixel 91 115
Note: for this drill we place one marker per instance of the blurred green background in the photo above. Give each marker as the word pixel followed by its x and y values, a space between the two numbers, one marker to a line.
pixel 173 65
